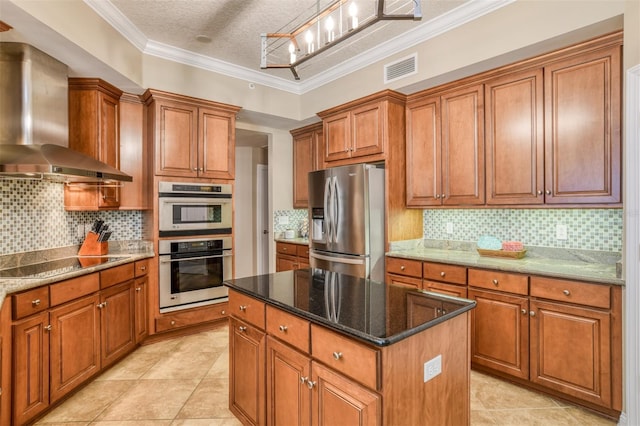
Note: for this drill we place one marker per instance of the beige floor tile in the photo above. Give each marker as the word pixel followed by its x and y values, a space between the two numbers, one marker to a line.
pixel 133 423
pixel 587 418
pixel 66 424
pixel 88 403
pixel 220 368
pixel 210 341
pixel 207 422
pixel 482 418
pixel 503 395
pixel 181 365
pixel 210 400
pixel 164 346
pixel 132 367
pixel 151 400
pixel 529 417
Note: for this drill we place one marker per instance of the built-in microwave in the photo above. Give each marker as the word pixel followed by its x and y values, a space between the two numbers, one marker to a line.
pixel 186 209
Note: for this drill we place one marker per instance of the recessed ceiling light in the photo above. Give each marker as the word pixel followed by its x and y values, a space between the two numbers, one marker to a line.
pixel 203 38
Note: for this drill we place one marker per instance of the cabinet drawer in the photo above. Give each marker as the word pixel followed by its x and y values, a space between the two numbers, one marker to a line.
pixel 286 248
pixel 412 268
pixel 302 251
pixel 141 267
pixel 116 275
pixel 191 317
pixel 341 353
pixel 246 308
pixel 288 328
pixel 500 281
pixel 30 302
pixel 598 296
pixel 448 273
pixel 404 281
pixel 448 289
pixel 74 288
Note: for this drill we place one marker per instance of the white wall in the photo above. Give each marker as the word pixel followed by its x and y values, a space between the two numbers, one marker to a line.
pixel 244 232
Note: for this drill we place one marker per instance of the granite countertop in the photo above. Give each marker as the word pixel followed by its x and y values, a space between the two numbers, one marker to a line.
pixel 373 312
pixel 297 240
pixel 119 254
pixel 581 265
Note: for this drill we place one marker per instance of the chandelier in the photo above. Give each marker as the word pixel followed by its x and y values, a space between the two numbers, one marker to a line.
pixel 329 25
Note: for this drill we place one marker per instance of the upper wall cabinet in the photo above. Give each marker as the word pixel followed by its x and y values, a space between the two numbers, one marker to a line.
pixel 445 148
pixel 358 131
pixel 94 116
pixel 307 157
pixel 582 135
pixel 192 137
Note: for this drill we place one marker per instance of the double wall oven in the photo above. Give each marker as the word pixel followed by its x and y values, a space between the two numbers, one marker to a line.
pixel 195 252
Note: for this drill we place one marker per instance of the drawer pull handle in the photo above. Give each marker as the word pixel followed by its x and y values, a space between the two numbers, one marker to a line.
pixel 310 384
pixel 223 312
pixel 173 322
pixel 566 292
pixel 48 327
pixel 495 282
pixel 524 311
pixel 337 355
pixel 35 302
pixel 242 328
pixel 143 268
pixel 442 274
pixel 243 308
pixel 402 268
pixel 532 313
pixel 283 328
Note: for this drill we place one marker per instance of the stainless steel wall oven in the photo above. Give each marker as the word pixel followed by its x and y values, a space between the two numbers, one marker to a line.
pixel 192 272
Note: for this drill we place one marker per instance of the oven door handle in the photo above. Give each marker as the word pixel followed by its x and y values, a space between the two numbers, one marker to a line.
pixel 193 258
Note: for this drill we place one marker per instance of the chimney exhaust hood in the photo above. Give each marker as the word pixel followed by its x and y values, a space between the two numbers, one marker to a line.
pixel 34 124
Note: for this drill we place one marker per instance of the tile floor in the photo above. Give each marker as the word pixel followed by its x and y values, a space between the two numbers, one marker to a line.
pixel 184 381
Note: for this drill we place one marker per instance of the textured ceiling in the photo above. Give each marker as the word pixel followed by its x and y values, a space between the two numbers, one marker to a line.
pixel 235 26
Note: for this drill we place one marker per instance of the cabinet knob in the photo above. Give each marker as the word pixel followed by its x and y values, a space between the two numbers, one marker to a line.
pixel 100 305
pixel 495 282
pixel 242 328
pixel 548 192
pixel 442 274
pixel 195 169
pixel 35 302
pixel 310 384
pixel 524 311
pixel 539 192
pixel 532 313
pixel 303 379
pixel 242 308
pixel 337 355
pixel 437 196
pixel 143 268
pixel 138 289
pixel 283 328
pixel 48 327
pixel 566 292
pixel 223 312
pixel 402 268
pixel 173 322
pixel 443 196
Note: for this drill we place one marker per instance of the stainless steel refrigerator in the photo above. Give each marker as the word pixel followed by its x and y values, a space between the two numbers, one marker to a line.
pixel 346 220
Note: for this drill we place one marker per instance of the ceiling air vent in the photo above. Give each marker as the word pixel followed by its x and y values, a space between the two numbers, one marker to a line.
pixel 401 68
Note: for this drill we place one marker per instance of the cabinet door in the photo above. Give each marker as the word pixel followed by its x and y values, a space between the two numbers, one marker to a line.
pixel 288 395
pixel 216 144
pixel 500 332
pixel 571 351
pixel 338 400
pixel 141 288
pixel 136 159
pixel 286 263
pixel 462 121
pixel 303 148
pixel 424 186
pixel 75 344
pixel 109 146
pixel 247 372
pixel 515 139
pixel 367 129
pixel 30 367
pixel 116 321
pixel 582 128
pixel 176 139
pixel 337 137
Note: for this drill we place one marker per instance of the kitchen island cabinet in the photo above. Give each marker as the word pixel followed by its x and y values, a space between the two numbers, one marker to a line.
pixel 355 352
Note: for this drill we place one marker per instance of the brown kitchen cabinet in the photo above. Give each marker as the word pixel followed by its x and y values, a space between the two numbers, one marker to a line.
pixel 117 322
pixel 307 156
pixel 445 279
pixel 141 288
pixel 191 137
pixel 5 364
pixel 445 148
pixel 290 256
pixel 582 128
pixel 361 131
pixel 191 317
pixel 94 120
pixel 406 272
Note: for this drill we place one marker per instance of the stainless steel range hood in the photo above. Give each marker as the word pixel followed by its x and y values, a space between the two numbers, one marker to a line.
pixel 34 124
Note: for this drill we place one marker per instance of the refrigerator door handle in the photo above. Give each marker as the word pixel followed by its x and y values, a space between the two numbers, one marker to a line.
pixel 336 209
pixel 350 261
pixel 327 213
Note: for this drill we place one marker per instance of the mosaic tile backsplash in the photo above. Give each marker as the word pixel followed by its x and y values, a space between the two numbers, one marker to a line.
pixel 295 219
pixel 33 218
pixel 587 229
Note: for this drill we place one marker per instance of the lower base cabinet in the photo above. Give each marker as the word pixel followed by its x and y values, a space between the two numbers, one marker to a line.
pixel 117 305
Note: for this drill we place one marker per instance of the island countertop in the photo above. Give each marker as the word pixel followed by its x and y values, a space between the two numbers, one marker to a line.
pixel 373 312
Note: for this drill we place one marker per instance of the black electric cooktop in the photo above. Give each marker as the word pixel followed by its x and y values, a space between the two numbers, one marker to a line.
pixel 56 267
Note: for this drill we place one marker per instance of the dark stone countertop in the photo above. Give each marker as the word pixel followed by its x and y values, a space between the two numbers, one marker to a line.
pixel 369 311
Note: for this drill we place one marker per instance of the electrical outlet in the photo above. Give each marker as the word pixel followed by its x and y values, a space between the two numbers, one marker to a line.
pixel 561 231
pixel 449 228
pixel 432 368
pixel 283 220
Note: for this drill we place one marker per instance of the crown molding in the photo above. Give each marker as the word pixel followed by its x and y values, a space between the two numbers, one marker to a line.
pixel 464 13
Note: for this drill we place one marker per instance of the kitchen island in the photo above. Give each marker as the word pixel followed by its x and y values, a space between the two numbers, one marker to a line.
pixel 313 347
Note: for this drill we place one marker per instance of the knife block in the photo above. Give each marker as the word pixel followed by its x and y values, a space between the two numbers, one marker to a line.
pixel 91 246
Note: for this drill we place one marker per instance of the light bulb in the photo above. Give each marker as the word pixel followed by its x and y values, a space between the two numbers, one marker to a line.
pixel 329 26
pixel 353 12
pixel 292 53
pixel 309 39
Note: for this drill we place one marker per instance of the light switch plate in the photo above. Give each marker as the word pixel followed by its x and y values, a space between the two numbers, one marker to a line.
pixel 561 231
pixel 432 368
pixel 283 220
